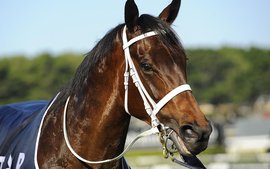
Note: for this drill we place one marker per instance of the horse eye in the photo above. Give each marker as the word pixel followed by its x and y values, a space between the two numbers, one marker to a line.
pixel 146 67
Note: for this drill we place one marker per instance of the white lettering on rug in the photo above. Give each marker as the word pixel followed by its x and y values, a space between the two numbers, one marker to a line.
pixel 20 161
pixel 2 159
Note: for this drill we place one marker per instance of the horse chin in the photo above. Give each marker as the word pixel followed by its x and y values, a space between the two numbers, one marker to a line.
pixel 179 144
pixel 189 158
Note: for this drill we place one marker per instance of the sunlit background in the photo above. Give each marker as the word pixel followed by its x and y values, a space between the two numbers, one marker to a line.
pixel 227 42
pixel 30 27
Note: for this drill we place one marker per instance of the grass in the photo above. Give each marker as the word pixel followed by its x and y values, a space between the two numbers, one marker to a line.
pixel 144 152
pixel 214 150
pixel 158 152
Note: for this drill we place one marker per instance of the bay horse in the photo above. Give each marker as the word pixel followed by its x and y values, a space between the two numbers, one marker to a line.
pixel 89 117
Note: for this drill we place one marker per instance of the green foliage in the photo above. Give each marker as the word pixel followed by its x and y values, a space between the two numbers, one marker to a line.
pixel 229 75
pixel 217 76
pixel 23 78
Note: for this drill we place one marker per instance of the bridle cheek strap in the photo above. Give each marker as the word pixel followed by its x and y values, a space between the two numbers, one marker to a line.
pixel 130 70
pixel 151 107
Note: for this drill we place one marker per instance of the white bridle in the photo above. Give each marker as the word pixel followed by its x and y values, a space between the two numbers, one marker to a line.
pixel 152 108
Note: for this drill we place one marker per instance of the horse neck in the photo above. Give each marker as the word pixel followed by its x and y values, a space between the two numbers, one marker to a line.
pixel 97 118
pixel 97 124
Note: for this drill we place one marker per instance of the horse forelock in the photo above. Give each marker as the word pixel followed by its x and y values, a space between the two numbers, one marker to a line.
pixel 166 34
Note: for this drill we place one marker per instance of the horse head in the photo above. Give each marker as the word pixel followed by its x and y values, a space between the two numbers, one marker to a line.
pixel 160 63
pixel 145 50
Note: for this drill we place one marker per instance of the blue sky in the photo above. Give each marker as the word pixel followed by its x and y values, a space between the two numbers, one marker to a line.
pixel 34 26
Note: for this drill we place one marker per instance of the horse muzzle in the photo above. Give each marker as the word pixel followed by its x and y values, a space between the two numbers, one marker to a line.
pixel 190 140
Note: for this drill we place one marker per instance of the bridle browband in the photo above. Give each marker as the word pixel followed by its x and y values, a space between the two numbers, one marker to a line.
pixel 152 108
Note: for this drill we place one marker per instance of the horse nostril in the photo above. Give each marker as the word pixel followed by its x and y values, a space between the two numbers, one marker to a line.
pixel 189 133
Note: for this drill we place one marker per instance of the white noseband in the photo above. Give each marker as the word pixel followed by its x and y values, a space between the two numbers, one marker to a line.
pixel 152 108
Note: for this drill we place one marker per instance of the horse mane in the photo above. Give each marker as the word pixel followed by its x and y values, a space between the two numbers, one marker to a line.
pixel 105 45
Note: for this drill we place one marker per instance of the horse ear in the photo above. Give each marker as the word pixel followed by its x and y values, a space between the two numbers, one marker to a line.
pixel 169 14
pixel 131 15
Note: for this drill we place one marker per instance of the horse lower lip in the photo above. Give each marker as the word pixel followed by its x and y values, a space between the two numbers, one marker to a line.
pixel 187 156
pixel 179 143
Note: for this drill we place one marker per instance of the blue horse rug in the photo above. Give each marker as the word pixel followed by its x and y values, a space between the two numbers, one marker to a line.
pixel 20 125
